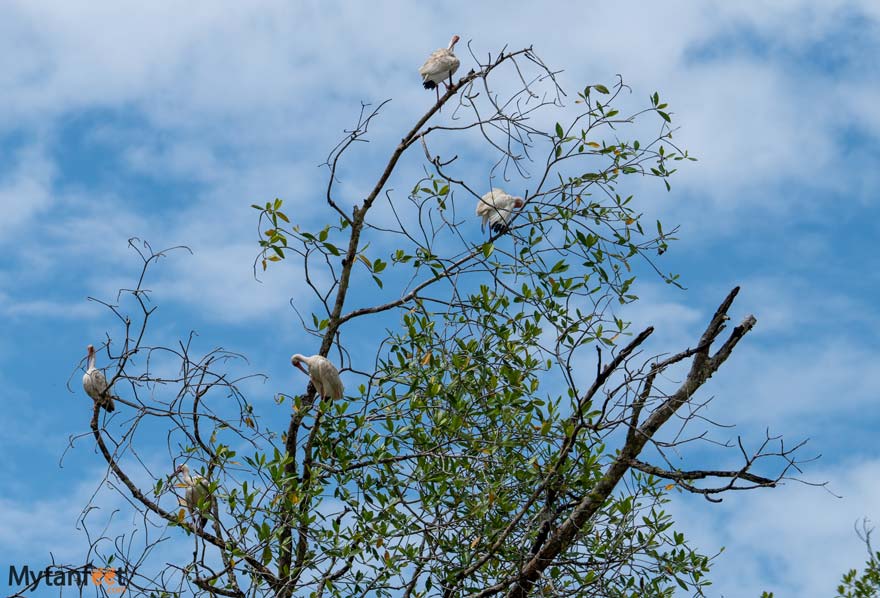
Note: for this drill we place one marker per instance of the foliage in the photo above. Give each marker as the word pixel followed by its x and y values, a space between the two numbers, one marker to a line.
pixel 867 584
pixel 503 434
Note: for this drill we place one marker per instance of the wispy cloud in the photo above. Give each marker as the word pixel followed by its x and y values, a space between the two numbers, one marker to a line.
pixel 25 192
pixel 188 117
pixel 795 540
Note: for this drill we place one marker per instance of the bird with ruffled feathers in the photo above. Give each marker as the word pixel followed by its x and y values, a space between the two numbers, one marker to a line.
pixel 322 373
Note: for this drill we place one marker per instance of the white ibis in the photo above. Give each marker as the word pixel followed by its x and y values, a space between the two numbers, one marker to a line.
pixel 195 495
pixel 496 208
pixel 323 374
pixel 439 66
pixel 95 384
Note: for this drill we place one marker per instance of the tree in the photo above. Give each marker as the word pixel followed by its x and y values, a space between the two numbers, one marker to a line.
pixel 506 433
pixel 866 585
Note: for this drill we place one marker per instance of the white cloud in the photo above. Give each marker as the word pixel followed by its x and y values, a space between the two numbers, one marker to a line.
pixel 48 523
pixel 25 193
pixel 260 89
pixel 45 308
pixel 795 540
pixel 802 365
pixel 241 101
pixel 221 281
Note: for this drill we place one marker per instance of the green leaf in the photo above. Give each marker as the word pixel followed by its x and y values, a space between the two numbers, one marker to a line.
pixel 488 248
pixel 559 132
pixel 601 88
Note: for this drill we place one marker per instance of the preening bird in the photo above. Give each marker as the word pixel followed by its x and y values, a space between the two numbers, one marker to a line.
pixel 496 208
pixel 439 66
pixel 95 384
pixel 197 489
pixel 323 374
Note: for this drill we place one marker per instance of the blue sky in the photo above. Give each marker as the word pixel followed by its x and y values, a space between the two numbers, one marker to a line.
pixel 148 122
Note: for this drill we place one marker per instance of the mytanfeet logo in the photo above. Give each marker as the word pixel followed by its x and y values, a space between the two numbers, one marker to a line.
pixel 111 579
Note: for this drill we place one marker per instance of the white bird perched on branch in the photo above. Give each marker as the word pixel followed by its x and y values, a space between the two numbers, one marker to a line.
pixel 197 489
pixel 439 66
pixel 496 208
pixel 95 384
pixel 323 374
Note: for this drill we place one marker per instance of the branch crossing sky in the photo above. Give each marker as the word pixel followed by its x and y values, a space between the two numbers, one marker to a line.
pixel 166 124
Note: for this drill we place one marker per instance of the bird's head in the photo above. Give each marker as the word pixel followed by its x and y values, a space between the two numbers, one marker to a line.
pixel 518 202
pixel 91 350
pixel 453 41
pixel 183 468
pixel 296 361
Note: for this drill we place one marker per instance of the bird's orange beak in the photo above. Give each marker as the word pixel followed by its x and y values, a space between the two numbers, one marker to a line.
pixel 302 369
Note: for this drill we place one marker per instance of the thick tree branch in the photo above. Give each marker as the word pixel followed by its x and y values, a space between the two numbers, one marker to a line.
pixel 258 567
pixel 701 369
pixel 701 474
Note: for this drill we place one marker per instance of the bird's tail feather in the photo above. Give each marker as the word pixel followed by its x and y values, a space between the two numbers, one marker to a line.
pixel 429 84
pixel 107 402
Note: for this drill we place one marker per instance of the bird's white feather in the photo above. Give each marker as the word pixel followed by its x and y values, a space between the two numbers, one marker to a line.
pixel 439 66
pixel 195 493
pixel 323 375
pixel 95 385
pixel 496 207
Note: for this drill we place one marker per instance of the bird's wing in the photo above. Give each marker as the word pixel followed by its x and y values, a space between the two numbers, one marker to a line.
pixel 336 389
pixel 327 373
pixel 95 384
pixel 440 64
pixel 197 492
pixel 100 381
pixel 486 203
pixel 451 64
pixel 496 206
pixel 431 64
pixel 191 501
